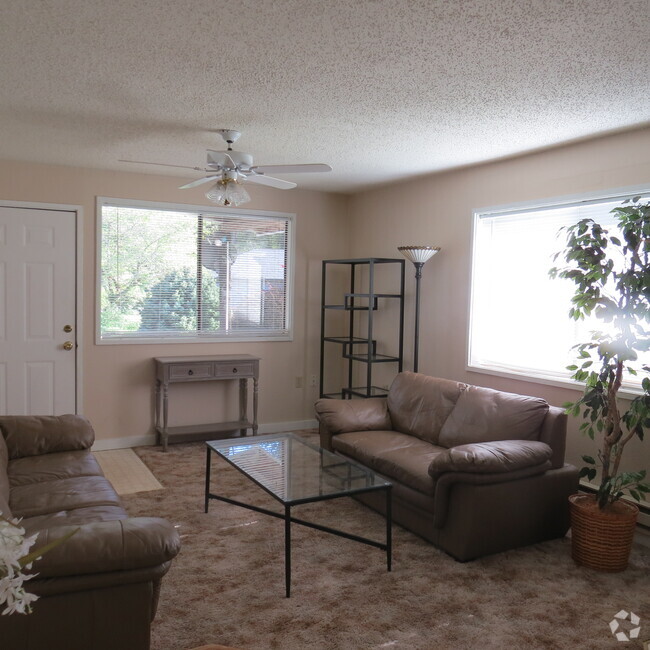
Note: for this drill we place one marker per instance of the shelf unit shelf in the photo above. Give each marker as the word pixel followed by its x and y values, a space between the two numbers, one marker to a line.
pixel 356 348
pixel 373 358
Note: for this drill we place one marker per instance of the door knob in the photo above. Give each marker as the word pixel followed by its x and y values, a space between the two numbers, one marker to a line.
pixel 67 328
pixel 68 345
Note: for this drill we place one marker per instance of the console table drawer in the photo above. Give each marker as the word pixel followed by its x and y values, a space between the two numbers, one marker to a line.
pixel 190 371
pixel 233 370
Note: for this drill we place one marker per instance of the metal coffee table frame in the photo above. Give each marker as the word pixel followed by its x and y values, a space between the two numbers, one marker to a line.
pixel 288 504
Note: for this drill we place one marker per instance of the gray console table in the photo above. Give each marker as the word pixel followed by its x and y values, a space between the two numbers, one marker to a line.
pixel 219 367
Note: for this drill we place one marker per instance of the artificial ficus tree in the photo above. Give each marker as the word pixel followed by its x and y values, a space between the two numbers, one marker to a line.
pixel 611 274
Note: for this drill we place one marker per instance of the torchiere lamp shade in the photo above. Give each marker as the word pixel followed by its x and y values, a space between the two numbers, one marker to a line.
pixel 418 254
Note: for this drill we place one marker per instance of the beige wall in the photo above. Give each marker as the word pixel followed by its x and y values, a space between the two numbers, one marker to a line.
pixel 437 210
pixel 118 379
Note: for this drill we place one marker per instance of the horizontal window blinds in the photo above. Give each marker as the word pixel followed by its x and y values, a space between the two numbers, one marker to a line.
pixel 185 275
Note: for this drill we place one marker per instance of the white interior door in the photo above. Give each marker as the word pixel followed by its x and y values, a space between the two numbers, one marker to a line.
pixel 38 323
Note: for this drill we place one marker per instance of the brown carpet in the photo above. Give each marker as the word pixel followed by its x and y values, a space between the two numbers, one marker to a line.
pixel 227 585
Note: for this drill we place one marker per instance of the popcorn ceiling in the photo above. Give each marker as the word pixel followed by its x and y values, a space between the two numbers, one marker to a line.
pixel 381 90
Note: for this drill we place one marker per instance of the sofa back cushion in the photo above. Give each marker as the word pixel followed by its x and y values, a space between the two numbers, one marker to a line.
pixel 32 435
pixel 419 405
pixel 344 415
pixel 485 415
pixel 4 478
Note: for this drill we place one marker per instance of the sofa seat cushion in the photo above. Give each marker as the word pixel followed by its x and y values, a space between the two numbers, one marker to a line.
pixel 397 456
pixel 491 457
pixel 62 494
pixel 484 415
pixel 76 517
pixel 420 405
pixel 50 467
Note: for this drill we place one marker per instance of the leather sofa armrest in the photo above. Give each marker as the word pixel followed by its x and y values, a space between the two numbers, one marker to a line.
pixel 33 435
pixel 120 545
pixel 491 457
pixel 344 415
pixel 89 581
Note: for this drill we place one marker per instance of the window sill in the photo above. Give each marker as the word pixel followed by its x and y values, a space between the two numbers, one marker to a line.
pixel 190 340
pixel 626 392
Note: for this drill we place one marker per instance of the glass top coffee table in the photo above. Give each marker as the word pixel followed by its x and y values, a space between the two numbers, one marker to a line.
pixel 294 472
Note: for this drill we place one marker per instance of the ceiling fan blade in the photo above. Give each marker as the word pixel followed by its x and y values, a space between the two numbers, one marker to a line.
pixel 146 162
pixel 270 181
pixel 292 169
pixel 199 181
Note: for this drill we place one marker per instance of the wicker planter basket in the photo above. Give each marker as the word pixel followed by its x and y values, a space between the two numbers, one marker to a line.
pixel 601 539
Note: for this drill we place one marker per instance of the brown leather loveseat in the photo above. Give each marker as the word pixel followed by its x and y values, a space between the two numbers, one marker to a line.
pixel 99 589
pixel 475 471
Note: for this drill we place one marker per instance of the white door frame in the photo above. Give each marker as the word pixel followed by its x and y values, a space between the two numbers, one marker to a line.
pixel 78 210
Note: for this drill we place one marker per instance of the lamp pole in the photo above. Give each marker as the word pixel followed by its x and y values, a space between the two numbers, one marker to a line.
pixel 418 276
pixel 418 255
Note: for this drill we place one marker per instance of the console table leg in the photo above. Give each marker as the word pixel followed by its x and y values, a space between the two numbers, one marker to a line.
pixel 164 435
pixel 243 403
pixel 255 387
pixel 287 550
pixel 157 406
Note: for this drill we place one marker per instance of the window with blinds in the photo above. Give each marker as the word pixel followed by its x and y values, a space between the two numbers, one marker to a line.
pixel 170 273
pixel 519 317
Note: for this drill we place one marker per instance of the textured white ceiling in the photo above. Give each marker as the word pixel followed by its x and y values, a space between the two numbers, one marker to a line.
pixel 379 89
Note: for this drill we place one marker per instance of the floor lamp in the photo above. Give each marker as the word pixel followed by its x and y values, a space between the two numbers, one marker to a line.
pixel 418 255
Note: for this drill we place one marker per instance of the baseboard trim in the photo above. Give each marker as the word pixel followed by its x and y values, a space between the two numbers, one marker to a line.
pixel 124 443
pixel 105 444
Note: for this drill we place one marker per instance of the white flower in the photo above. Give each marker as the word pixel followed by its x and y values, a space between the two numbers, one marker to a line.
pixel 14 595
pixel 14 546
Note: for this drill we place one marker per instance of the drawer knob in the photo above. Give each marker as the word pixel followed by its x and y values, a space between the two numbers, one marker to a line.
pixel 234 369
pixel 190 372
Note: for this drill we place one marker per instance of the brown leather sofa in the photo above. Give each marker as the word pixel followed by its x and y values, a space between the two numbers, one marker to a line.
pixel 99 589
pixel 475 471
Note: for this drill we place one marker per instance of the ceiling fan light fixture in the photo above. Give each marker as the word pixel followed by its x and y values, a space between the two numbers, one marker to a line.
pixel 227 192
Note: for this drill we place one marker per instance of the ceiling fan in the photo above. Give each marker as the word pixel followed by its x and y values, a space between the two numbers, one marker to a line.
pixel 229 169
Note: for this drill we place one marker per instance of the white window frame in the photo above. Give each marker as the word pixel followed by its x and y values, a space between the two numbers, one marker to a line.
pixel 239 337
pixel 530 206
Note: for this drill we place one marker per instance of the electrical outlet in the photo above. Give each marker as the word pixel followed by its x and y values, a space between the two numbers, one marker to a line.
pixel 313 381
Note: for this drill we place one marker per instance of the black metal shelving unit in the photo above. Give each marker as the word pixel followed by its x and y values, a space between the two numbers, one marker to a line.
pixel 356 348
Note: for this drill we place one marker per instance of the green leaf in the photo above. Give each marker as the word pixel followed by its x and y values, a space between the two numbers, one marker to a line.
pixel 589 459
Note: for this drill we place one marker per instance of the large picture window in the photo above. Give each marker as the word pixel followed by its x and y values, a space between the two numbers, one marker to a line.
pixel 519 317
pixel 170 273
